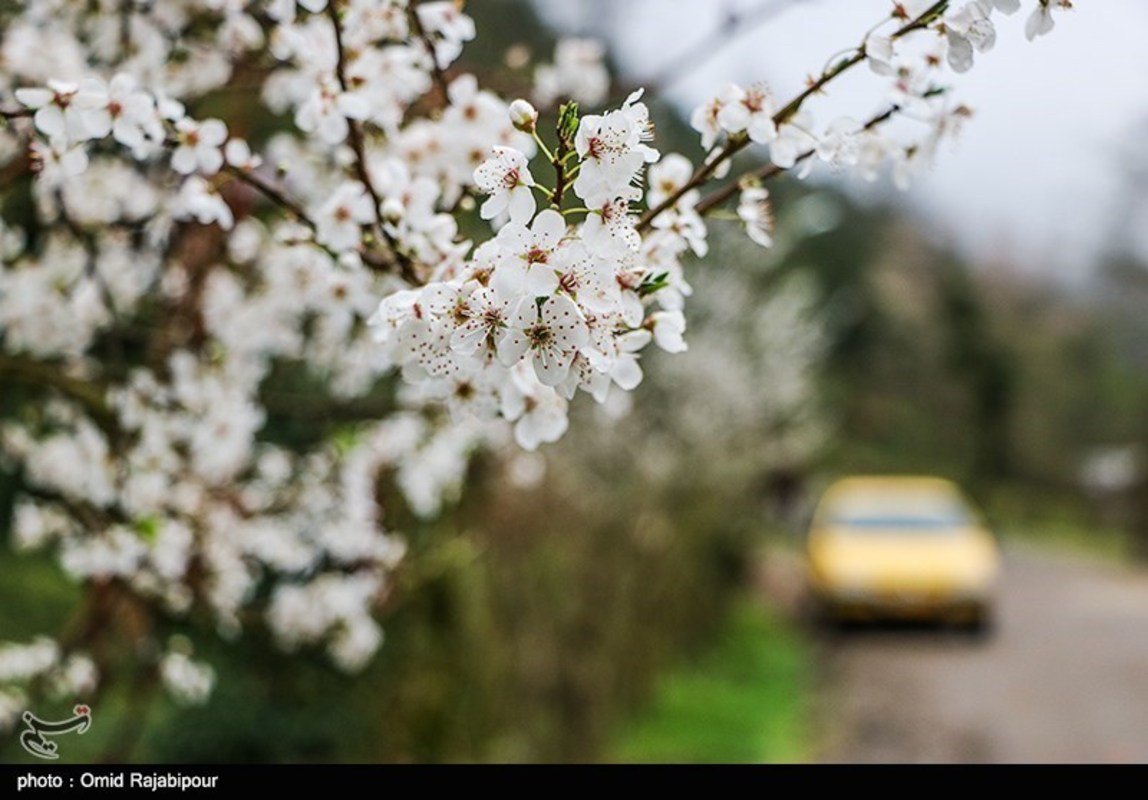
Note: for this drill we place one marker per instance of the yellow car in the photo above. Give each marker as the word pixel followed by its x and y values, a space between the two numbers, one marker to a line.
pixel 902 547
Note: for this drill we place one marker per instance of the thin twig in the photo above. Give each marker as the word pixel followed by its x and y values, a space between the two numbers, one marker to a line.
pixel 703 174
pixel 272 193
pixel 294 207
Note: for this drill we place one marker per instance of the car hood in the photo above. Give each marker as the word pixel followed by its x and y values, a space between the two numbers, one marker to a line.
pixel 905 559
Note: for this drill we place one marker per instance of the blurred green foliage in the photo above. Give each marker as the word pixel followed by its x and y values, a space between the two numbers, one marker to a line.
pixel 999 378
pixel 531 619
pixel 742 700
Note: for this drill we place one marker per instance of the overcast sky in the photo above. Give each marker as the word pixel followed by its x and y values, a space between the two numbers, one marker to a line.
pixel 1037 174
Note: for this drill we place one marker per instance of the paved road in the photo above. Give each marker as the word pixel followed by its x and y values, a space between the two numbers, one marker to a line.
pixel 1063 679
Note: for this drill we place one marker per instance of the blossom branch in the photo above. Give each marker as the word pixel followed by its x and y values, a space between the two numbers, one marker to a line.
pixel 373 260
pixel 357 142
pixel 438 76
pixel 272 193
pixel 739 142
pixel 769 171
pixel 562 177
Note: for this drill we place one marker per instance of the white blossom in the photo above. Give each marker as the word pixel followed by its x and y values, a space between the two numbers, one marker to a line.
pixel 668 328
pixel 754 211
pixel 505 176
pixel 57 115
pixel 551 335
pixel 1040 21
pixel 969 29
pixel 198 201
pixel 20 663
pixel 123 110
pixel 188 681
pixel 340 219
pixel 200 146
pixel 614 152
pixel 749 110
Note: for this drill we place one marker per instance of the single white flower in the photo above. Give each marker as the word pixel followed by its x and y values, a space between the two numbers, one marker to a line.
pixel 551 334
pixel 528 265
pixel 793 141
pixel 754 210
pixel 197 200
pixel 482 321
pixel 123 110
pixel 505 176
pixel 58 161
pixel 705 119
pixel 238 154
pixel 880 53
pixel 667 177
pixel 200 146
pixel 339 221
pixel 967 30
pixel 543 420
pixel 668 328
pixel 188 681
pixel 57 116
pixel 839 145
pixel 1040 21
pixel 609 230
pixel 539 413
pixel 326 110
pixel 448 28
pixel 750 110
pixel 626 370
pixel 578 72
pixel 613 151
pixel 587 279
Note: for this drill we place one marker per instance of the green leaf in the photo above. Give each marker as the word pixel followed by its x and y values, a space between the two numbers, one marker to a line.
pixel 147 528
pixel 653 283
pixel 568 121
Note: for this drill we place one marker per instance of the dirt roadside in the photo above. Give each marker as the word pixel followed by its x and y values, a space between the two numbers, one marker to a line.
pixel 1064 678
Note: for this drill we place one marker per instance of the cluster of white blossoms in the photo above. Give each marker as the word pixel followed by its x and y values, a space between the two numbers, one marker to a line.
pixel 911 48
pixel 41 660
pixel 548 306
pixel 225 219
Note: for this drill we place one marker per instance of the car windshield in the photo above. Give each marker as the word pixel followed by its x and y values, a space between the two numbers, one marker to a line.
pixel 911 513
pixel 917 520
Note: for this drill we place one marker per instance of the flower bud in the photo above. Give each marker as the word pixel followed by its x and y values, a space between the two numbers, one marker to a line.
pixel 393 210
pixel 523 115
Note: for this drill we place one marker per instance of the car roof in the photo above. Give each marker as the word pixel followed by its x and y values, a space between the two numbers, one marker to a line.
pixel 878 490
pixel 893 483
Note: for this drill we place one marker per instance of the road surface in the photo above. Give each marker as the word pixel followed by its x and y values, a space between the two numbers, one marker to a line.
pixel 1063 679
